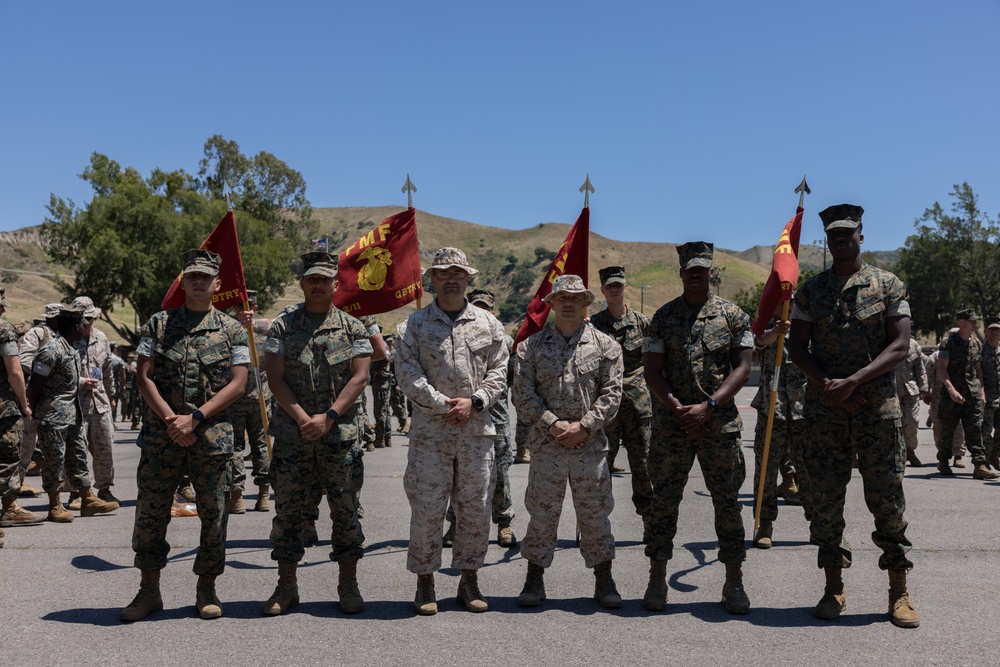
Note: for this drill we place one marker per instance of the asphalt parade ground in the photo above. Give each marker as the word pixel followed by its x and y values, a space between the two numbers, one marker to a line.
pixel 64 585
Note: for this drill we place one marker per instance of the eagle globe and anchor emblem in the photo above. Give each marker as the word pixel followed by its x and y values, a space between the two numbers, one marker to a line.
pixel 371 276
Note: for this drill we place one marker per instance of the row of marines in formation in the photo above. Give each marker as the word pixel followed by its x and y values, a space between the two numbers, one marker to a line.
pixel 663 388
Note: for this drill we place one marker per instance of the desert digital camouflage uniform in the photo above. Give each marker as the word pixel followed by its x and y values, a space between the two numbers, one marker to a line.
pixel 59 417
pixel 317 354
pixel 248 427
pixel 787 432
pixel 632 424
pixel 438 358
pixel 962 356
pixel 31 342
pixel 958 436
pixel 911 382
pixel 193 354
pixel 990 362
pixel 576 380
pixel 697 346
pixel 98 425
pixel 848 316
pixel 11 423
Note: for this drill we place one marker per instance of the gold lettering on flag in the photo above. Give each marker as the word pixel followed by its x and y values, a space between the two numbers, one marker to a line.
pixel 784 243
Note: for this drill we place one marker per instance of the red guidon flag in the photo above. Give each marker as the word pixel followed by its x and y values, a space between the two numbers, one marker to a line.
pixel 223 242
pixel 381 270
pixel 573 258
pixel 784 274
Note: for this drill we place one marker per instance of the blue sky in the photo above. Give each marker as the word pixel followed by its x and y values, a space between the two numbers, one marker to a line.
pixel 694 120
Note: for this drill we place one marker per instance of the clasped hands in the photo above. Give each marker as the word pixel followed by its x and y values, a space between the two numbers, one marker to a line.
pixel 570 435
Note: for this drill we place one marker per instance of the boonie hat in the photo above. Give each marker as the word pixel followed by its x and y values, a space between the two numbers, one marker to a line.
pixel 570 284
pixel 445 258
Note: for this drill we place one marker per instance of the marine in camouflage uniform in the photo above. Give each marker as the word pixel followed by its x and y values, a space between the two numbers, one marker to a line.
pixel 962 394
pixel 911 387
pixel 850 328
pixel 567 385
pixel 31 342
pixel 397 401
pixel 697 355
pixel 631 426
pixel 192 366
pixel 957 438
pixel 990 363
pixel 451 363
pixel 382 386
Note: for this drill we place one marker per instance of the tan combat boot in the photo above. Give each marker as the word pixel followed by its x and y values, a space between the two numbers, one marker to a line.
pixel 534 587
pixel 205 599
pixel 982 471
pixel 605 590
pixel 146 601
pixel 762 540
pixel 404 428
pixel 58 513
pixel 236 504
pixel 425 601
pixel 73 504
pixel 655 598
pixel 958 462
pixel 286 593
pixel 901 610
pixel 468 592
pixel 13 514
pixel 186 490
pixel 834 600
pixel 91 505
pixel 523 455
pixel 351 601
pixel 505 537
pixel 28 491
pixel 733 595
pixel 263 503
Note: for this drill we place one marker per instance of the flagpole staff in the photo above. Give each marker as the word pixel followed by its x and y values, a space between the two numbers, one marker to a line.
pixel 586 189
pixel 409 188
pixel 802 190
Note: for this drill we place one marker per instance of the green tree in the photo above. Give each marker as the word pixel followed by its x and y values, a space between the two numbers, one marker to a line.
pixel 125 244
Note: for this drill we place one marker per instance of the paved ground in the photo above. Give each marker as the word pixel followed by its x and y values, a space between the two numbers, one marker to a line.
pixel 65 585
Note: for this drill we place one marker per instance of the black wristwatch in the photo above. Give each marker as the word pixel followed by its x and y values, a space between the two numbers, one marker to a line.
pixel 712 403
pixel 199 415
pixel 478 404
pixel 333 414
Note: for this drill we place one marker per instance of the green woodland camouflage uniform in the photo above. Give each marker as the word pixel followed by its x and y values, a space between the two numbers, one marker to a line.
pixel 31 342
pixel 990 362
pixel 958 436
pixel 848 316
pixel 787 432
pixel 382 385
pixel 575 380
pixel 11 424
pixel 248 427
pixel 438 358
pixel 911 382
pixel 317 355
pixel 697 346
pixel 632 424
pixel 962 356
pixel 192 354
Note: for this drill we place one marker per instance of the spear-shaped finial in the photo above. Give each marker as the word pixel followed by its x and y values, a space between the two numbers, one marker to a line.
pixel 409 188
pixel 227 192
pixel 803 190
pixel 586 189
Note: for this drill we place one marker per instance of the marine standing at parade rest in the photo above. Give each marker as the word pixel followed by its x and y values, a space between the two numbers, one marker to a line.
pixel 452 363
pixel 567 385
pixel 962 395
pixel 317 360
pixel 697 355
pixel 631 426
pixel 192 365
pixel 850 328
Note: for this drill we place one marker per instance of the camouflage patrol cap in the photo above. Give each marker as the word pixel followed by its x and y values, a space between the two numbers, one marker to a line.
pixel 842 215
pixel 483 296
pixel 70 313
pixel 445 258
pixel 570 284
pixel 52 310
pixel 967 314
pixel 993 322
pixel 86 306
pixel 612 274
pixel 696 253
pixel 319 263
pixel 200 260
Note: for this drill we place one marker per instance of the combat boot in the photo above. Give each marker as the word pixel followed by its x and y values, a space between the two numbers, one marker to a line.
pixel 605 591
pixel 425 601
pixel 733 595
pixel 14 515
pixel 655 598
pixel 91 505
pixel 286 593
pixel 205 599
pixel 370 447
pixel 449 535
pixel 74 502
pixel 505 537
pixel 982 471
pixel 58 513
pixel 945 469
pixel 404 428
pixel 236 504
pixel 28 491
pixel 146 601
pixel 351 601
pixel 388 440
pixel 834 600
pixel 911 458
pixel 186 490
pixel 107 496
pixel 533 592
pixel 788 487
pixel 523 455
pixel 958 462
pixel 901 610
pixel 762 540
pixel 263 503
pixel 468 592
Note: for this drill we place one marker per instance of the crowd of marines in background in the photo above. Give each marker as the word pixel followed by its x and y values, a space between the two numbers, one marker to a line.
pixel 847 396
